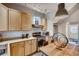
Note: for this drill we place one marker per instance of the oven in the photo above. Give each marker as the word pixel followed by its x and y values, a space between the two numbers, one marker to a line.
pixel 40 38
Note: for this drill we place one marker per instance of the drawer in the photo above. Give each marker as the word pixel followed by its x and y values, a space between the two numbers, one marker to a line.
pixel 21 43
pixel 17 44
pixel 14 44
pixel 28 42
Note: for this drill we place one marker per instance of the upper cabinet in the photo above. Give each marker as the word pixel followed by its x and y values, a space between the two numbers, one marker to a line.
pixel 26 21
pixel 34 45
pixel 3 18
pixel 14 20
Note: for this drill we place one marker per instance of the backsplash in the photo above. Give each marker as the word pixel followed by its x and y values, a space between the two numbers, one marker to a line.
pixel 14 34
pixel 11 34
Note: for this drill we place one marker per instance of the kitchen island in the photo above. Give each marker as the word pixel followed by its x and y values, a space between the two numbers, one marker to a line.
pixel 14 47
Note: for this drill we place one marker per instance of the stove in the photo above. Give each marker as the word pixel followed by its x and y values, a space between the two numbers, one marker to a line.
pixel 40 38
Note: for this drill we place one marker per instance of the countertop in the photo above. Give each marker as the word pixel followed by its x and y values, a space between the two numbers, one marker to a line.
pixel 8 42
pixel 16 40
pixel 69 50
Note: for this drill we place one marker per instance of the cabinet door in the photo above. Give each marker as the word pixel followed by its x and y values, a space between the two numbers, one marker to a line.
pixel 28 47
pixel 34 46
pixel 17 49
pixel 14 20
pixel 21 48
pixel 26 21
pixel 3 18
pixel 14 49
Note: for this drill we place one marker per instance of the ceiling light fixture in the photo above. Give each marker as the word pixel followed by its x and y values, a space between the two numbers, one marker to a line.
pixel 61 10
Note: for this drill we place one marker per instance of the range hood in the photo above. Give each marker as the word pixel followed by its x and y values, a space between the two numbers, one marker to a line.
pixel 61 10
pixel 37 26
pixel 37 22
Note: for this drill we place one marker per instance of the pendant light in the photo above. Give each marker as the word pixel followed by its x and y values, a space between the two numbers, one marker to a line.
pixel 61 10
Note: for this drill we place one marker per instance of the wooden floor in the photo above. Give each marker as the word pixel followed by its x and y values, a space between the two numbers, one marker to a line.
pixel 69 50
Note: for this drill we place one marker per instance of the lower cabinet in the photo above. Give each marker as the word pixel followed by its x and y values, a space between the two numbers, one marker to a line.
pixel 13 51
pixel 23 48
pixel 28 48
pixel 34 46
pixel 17 49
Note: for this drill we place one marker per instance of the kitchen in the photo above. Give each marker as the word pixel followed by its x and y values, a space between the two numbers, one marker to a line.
pixel 26 31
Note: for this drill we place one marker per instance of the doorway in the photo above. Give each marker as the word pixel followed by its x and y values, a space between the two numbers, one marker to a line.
pixel 55 28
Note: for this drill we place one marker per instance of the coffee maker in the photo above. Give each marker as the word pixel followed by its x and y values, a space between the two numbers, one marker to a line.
pixel 25 35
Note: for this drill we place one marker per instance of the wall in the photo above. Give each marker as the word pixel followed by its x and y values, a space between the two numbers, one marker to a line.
pixel 50 23
pixel 62 28
pixel 72 18
pixel 12 34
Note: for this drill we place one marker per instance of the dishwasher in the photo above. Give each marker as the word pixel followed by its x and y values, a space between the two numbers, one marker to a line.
pixel 3 49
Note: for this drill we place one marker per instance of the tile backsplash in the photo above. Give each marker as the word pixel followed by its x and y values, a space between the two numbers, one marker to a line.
pixel 11 34
pixel 14 34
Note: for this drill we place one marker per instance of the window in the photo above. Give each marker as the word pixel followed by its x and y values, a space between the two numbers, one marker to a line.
pixel 73 31
pixel 73 28
pixel 36 20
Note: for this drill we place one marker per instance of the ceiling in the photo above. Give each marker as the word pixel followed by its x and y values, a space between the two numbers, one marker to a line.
pixel 48 7
pixel 45 8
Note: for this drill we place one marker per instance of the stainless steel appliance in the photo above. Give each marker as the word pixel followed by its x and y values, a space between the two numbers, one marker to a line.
pixel 40 38
pixel 3 49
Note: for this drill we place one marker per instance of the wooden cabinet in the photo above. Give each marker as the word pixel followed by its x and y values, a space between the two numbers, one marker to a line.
pixel 23 48
pixel 17 49
pixel 26 21
pixel 14 20
pixel 14 49
pixel 34 46
pixel 3 18
pixel 28 47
